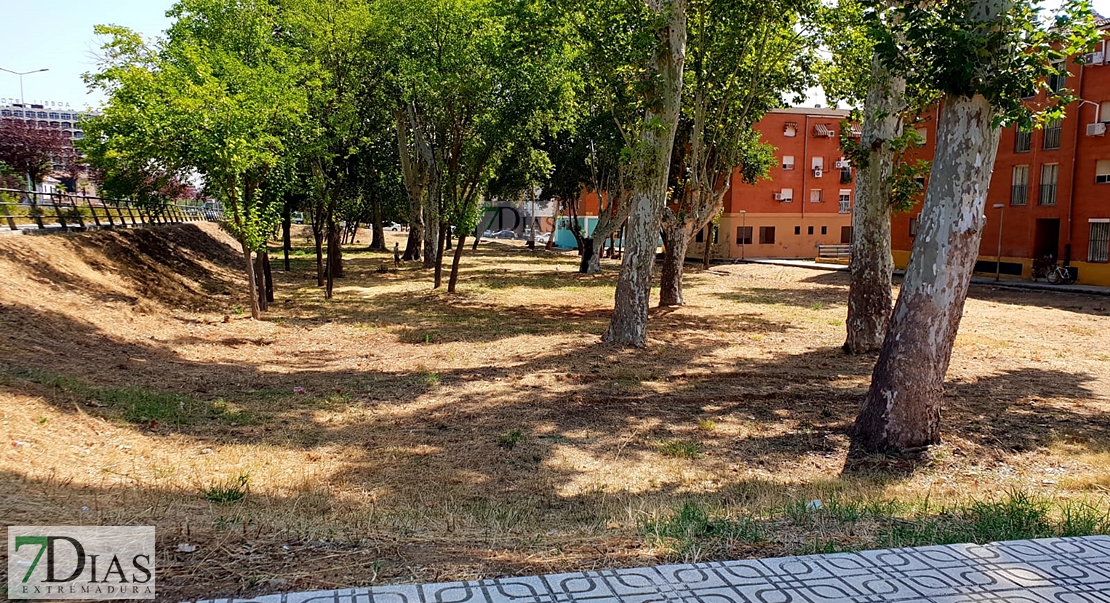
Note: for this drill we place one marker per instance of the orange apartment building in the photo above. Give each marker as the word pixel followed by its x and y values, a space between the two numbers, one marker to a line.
pixel 1050 191
pixel 806 202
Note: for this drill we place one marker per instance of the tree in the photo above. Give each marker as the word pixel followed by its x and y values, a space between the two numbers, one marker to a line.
pixel 983 55
pixel 635 54
pixel 216 96
pixel 482 82
pixel 742 57
pixel 30 150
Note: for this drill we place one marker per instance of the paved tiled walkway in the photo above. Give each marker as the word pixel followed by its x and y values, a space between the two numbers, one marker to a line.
pixel 1072 570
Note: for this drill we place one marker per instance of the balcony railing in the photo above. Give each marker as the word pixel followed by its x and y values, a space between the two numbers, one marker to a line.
pixel 1048 194
pixel 1019 194
pixel 845 207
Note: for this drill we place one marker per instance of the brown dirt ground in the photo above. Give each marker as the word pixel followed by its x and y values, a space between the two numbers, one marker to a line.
pixel 394 463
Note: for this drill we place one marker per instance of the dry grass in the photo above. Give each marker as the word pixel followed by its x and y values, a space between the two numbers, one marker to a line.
pixel 486 433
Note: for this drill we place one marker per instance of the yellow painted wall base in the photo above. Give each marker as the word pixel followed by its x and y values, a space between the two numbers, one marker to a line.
pixel 1090 273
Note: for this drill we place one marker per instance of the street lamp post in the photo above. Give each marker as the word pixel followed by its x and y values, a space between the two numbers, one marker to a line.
pixel 743 232
pixel 998 257
pixel 21 74
pixel 22 101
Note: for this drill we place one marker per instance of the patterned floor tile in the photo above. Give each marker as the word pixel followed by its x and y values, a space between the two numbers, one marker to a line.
pixel 1058 570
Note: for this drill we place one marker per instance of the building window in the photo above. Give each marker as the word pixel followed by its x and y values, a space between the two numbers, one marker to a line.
pixel 17 113
pixel 846 175
pixel 42 115
pixel 1099 246
pixel 744 235
pixel 700 238
pixel 67 116
pixel 924 134
pixel 54 115
pixel 815 195
pixel 1102 171
pixel 1049 173
pixel 1023 140
pixel 818 163
pixel 788 162
pixel 766 235
pixel 1056 81
pixel 844 204
pixel 1019 189
pixel 797 230
pixel 824 230
pixel 1052 134
pixel 67 125
pixel 791 130
pixel 787 195
pixel 809 230
pixel 78 134
pixel 1104 112
pixel 913 227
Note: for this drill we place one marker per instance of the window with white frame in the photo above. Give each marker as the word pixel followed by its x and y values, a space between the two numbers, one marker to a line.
pixel 790 130
pixel 815 195
pixel 923 133
pixel 787 195
pixel 1104 112
pixel 818 163
pixel 1102 171
pixel 1049 173
pixel 1098 249
pixel 1019 189
pixel 845 201
pixel 787 162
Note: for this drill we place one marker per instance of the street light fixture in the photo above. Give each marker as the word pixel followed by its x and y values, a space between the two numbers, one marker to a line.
pixel 21 74
pixel 998 257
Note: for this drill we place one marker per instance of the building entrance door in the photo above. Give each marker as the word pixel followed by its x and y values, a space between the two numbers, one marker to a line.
pixel 1046 239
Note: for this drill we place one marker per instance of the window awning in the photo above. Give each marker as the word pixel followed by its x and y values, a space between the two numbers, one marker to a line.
pixel 856 131
pixel 820 130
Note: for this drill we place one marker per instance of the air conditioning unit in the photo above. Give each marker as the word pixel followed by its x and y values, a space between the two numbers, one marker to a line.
pixel 1096 129
pixel 1093 58
pixel 778 196
pixel 817 172
pixel 842 164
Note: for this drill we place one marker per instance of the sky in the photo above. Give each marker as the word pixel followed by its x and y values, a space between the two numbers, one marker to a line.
pixel 58 35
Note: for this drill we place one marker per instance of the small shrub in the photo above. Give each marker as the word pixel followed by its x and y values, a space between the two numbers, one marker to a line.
pixel 228 490
pixel 685 449
pixel 692 534
pixel 510 440
pixel 707 424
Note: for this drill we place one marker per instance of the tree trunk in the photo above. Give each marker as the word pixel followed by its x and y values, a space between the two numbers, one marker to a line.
pixel 454 278
pixel 438 278
pixel 256 311
pixel 377 240
pixel 869 298
pixel 588 256
pixel 676 240
pixel 447 231
pixel 431 230
pixel 650 170
pixel 260 281
pixel 334 267
pixel 707 253
pixel 269 278
pixel 318 239
pixel 287 233
pixel 902 410
pixel 413 244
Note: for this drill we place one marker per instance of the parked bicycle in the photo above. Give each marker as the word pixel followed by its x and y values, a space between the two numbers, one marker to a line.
pixel 1058 273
